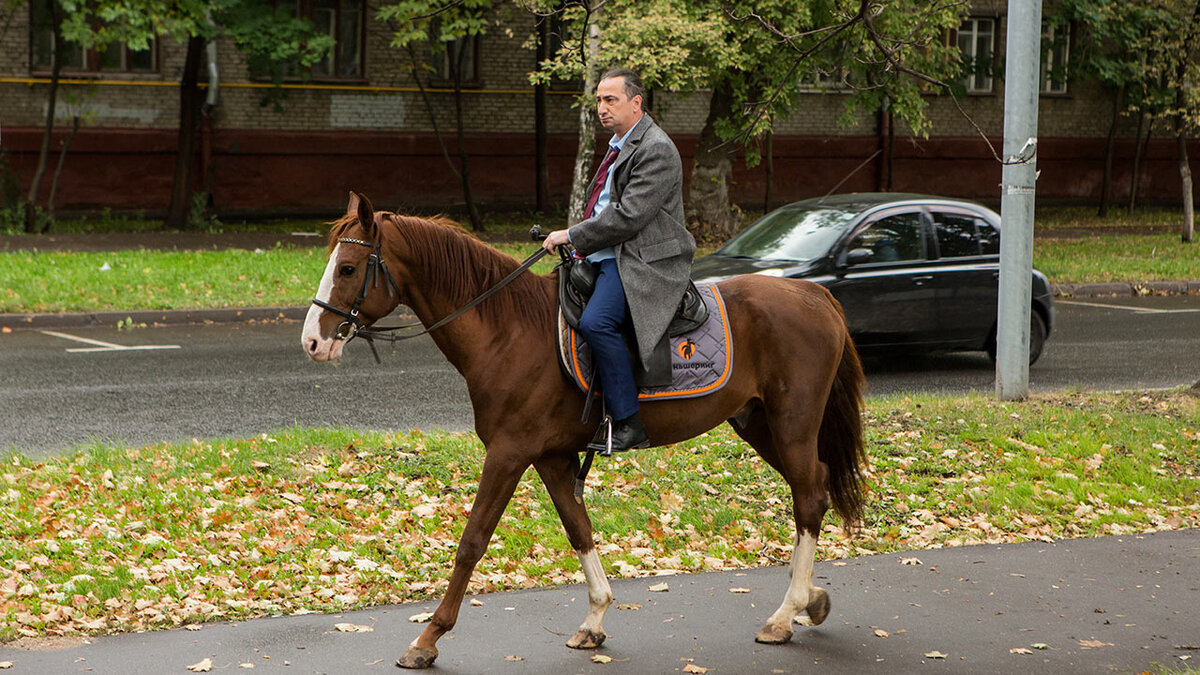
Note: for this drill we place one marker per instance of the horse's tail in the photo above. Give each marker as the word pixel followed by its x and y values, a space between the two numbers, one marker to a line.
pixel 840 440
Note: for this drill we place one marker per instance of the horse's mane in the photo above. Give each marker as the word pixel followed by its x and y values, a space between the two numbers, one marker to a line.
pixel 456 265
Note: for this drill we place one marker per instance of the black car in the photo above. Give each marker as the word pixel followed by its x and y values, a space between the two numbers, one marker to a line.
pixel 912 272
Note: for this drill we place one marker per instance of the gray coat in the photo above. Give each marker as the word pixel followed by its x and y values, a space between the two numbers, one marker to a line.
pixel 644 223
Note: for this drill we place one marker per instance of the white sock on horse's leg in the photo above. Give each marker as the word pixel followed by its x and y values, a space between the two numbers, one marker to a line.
pixel 779 627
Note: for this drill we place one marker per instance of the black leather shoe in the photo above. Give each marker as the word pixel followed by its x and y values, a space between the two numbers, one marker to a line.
pixel 627 434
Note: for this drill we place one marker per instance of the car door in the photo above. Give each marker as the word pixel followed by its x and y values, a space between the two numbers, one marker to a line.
pixel 966 272
pixel 887 298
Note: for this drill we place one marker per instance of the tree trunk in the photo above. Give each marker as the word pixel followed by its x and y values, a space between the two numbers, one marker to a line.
pixel 56 59
pixel 582 174
pixel 541 154
pixel 464 162
pixel 415 69
pixel 1110 145
pixel 1139 150
pixel 883 176
pixel 190 101
pixel 62 158
pixel 1185 174
pixel 710 214
pixel 769 169
pixel 1181 125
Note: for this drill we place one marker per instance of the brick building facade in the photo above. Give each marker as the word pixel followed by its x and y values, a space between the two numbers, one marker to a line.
pixel 369 129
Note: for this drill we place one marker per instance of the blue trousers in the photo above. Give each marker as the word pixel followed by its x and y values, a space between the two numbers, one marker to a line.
pixel 606 313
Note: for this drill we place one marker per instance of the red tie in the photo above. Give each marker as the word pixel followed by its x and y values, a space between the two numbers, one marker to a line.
pixel 598 182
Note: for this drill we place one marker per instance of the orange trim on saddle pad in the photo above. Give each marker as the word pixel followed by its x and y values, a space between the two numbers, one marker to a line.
pixel 701 360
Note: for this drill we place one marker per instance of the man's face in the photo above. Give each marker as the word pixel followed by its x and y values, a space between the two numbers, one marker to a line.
pixel 618 113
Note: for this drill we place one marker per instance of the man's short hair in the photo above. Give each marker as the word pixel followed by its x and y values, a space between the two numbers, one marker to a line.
pixel 633 83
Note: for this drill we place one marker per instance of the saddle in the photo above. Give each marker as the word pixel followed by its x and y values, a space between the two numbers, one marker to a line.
pixel 577 281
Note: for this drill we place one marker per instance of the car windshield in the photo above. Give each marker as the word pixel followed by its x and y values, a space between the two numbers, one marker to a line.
pixel 790 233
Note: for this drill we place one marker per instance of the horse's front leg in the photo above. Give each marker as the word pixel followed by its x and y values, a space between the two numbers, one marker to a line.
pixel 496 486
pixel 557 473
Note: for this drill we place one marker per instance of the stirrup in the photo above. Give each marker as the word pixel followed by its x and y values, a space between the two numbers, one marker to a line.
pixel 608 425
pixel 582 471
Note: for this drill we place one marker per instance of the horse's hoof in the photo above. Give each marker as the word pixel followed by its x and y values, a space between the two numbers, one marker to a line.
pixel 773 635
pixel 818 606
pixel 586 639
pixel 417 657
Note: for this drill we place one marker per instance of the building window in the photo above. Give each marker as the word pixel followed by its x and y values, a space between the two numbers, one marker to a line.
pixel 465 53
pixel 342 21
pixel 1056 52
pixel 115 58
pixel 976 39
pixel 822 79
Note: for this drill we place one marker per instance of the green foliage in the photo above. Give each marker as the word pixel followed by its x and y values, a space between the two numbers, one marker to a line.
pixel 435 21
pixel 1149 48
pixel 772 52
pixel 275 43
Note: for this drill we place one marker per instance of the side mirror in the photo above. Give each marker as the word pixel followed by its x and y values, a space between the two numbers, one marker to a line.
pixel 858 256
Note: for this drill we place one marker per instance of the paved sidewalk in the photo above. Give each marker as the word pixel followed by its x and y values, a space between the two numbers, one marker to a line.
pixel 1110 605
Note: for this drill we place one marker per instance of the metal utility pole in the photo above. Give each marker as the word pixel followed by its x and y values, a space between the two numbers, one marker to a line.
pixel 1016 201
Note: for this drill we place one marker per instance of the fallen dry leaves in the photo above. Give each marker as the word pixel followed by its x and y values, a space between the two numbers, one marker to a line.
pixel 332 521
pixel 1094 644
pixel 201 667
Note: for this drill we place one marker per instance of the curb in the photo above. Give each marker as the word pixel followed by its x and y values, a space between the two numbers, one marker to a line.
pixel 1125 289
pixel 152 317
pixel 259 314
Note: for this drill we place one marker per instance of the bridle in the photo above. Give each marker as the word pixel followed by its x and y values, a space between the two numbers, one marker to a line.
pixel 376 268
pixel 353 326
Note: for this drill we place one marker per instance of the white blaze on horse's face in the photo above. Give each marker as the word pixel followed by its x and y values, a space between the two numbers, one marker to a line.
pixel 317 346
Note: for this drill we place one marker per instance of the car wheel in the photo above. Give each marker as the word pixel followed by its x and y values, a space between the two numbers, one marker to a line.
pixel 1037 338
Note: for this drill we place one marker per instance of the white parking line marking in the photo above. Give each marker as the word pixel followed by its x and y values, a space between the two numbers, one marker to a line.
pixel 1139 310
pixel 102 346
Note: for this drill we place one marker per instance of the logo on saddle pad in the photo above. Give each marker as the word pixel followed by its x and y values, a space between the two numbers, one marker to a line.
pixel 686 349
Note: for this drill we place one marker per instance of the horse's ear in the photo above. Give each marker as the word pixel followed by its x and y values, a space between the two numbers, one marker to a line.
pixel 352 207
pixel 366 214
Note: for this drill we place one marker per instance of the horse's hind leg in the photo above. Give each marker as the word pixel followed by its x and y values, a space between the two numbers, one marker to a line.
pixel 797 462
pixel 557 473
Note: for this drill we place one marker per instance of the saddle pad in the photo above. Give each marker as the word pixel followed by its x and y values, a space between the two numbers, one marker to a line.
pixel 701 360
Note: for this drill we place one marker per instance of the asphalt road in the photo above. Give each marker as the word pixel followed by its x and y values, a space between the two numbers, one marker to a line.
pixel 58 390
pixel 1110 605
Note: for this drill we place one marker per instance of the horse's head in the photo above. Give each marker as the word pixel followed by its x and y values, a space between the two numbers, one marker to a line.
pixel 356 290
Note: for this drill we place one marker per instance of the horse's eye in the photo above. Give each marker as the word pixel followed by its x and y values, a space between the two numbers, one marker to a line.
pixel 346 270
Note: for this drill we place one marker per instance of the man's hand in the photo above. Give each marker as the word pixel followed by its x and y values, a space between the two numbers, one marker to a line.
pixel 554 239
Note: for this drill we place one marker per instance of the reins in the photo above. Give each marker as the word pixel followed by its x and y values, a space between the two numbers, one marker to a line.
pixel 354 327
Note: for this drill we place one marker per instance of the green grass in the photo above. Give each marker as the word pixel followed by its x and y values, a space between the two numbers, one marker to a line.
pixel 46 282
pixel 128 538
pixel 1084 217
pixel 1142 257
pixel 55 281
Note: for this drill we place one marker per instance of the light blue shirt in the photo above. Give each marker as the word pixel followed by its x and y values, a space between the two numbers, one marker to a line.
pixel 606 196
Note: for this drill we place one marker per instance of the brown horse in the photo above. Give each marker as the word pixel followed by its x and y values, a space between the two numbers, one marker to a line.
pixel 793 395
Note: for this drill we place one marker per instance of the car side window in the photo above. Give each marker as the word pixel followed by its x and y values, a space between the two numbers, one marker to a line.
pixel 989 237
pixel 892 239
pixel 956 235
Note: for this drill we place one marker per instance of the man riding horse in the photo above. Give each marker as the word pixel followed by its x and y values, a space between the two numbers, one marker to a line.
pixel 633 233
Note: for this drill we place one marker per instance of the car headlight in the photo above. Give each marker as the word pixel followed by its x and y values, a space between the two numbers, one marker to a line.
pixel 773 272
